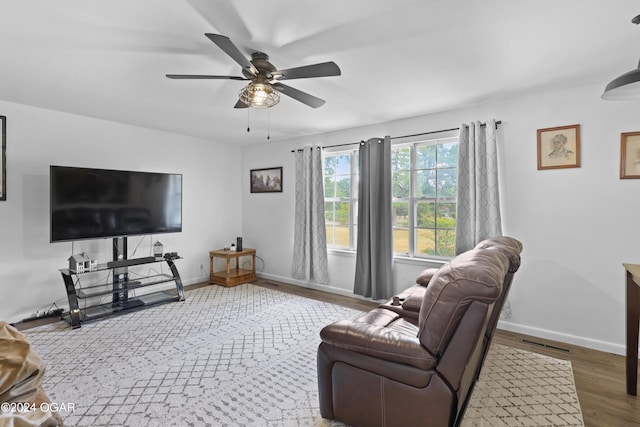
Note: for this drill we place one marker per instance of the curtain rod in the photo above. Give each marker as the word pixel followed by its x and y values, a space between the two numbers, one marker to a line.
pixel 302 149
pixel 498 122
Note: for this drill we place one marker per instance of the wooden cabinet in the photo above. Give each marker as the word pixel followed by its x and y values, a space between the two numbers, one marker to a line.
pixel 236 268
pixel 633 319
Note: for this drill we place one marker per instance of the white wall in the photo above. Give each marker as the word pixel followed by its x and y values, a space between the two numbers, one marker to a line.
pixel 577 225
pixel 37 138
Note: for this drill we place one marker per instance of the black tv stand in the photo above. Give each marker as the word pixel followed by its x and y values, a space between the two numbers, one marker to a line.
pixel 120 293
pixel 130 262
pixel 130 303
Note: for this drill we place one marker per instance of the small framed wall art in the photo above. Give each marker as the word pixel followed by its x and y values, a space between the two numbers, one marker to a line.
pixel 3 161
pixel 630 155
pixel 267 180
pixel 559 147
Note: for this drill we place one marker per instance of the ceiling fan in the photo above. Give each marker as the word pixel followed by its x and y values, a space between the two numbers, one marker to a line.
pixel 262 91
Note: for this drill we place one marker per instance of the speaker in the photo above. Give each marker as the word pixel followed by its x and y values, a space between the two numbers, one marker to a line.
pixel 238 244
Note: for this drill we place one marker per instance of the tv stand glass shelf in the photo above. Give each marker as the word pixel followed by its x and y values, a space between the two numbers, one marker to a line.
pixel 102 299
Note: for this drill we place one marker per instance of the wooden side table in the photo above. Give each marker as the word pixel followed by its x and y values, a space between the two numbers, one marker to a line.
pixel 633 319
pixel 236 275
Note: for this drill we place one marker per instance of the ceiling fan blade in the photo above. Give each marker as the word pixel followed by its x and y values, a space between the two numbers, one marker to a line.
pixel 299 95
pixel 230 49
pixel 323 69
pixel 223 16
pixel 240 104
pixel 201 76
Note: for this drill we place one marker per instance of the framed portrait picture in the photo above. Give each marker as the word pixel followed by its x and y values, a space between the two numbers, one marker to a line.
pixel 559 147
pixel 3 160
pixel 630 155
pixel 267 180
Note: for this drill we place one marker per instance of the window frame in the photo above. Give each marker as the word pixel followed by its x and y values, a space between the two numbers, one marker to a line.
pixel 352 200
pixel 413 199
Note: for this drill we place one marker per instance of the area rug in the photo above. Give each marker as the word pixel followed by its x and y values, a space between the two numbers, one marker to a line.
pixel 246 356
pixel 520 388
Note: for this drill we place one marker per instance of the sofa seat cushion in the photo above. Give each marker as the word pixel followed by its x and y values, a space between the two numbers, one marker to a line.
pixel 403 373
pixel 383 334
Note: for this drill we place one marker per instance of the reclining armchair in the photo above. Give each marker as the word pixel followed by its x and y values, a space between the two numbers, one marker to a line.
pixel 415 362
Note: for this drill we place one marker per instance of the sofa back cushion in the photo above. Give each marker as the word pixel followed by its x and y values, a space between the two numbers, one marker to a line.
pixel 508 245
pixel 475 275
pixel 512 248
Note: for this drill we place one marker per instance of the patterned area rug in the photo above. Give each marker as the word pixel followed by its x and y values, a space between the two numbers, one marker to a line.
pixel 520 388
pixel 246 356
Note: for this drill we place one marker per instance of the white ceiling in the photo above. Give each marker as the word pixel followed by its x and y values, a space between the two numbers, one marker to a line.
pixel 402 58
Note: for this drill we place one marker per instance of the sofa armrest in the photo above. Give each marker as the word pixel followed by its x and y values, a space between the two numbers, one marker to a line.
pixel 381 334
pixel 425 276
pixel 409 303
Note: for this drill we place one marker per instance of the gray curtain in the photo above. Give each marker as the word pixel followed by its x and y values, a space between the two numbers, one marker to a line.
pixel 374 256
pixel 478 204
pixel 309 234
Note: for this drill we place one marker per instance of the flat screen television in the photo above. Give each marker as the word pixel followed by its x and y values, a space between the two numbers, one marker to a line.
pixel 90 203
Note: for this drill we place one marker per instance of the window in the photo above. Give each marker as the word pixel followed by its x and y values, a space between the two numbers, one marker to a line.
pixel 424 180
pixel 341 198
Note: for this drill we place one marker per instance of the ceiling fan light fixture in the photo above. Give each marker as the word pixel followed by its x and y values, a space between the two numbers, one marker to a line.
pixel 624 88
pixel 627 86
pixel 259 94
pixel 265 87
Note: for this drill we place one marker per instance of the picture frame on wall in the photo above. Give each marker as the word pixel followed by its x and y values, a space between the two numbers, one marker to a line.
pixel 559 147
pixel 268 180
pixel 3 161
pixel 630 155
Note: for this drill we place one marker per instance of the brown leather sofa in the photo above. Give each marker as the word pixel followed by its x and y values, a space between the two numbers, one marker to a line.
pixel 415 362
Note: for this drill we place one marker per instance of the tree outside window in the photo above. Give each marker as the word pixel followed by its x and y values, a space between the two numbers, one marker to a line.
pixel 340 197
pixel 424 177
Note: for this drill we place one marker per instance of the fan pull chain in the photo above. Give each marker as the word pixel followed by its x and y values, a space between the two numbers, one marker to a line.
pixel 248 128
pixel 268 125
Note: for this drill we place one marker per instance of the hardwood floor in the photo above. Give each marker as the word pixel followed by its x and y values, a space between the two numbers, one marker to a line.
pixel 599 376
pixel 345 301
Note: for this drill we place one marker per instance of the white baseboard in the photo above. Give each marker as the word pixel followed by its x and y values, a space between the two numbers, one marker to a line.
pixel 197 280
pixel 593 344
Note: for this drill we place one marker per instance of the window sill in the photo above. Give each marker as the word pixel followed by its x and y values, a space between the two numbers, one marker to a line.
pixel 341 252
pixel 398 259
pixel 427 262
